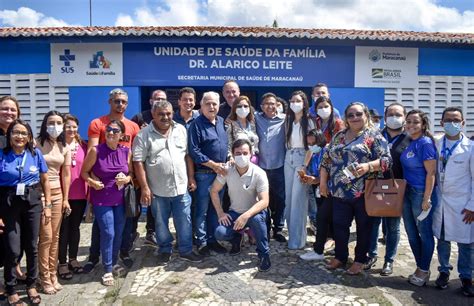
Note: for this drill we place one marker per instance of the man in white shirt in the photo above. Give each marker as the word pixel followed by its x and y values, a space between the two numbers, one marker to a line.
pixel 453 216
pixel 248 192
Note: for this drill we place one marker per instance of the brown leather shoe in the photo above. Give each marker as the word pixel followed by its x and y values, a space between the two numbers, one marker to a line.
pixel 334 264
pixel 356 268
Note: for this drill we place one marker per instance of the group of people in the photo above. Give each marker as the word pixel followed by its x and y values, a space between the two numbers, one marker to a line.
pixel 227 171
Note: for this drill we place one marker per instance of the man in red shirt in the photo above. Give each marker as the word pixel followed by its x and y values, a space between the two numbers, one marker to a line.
pixel 118 100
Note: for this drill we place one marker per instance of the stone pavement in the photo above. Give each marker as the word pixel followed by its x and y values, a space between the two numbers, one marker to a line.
pixel 235 280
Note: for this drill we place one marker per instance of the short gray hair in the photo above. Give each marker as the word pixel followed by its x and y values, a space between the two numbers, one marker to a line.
pixel 117 91
pixel 210 95
pixel 161 104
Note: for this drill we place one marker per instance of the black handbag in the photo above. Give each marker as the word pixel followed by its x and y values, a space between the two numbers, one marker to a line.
pixel 132 209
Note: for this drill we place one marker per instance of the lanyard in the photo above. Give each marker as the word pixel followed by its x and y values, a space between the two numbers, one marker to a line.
pixel 394 139
pixel 447 152
pixel 22 166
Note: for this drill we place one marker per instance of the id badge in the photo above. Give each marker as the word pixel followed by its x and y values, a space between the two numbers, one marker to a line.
pixel 318 194
pixel 73 163
pixel 20 189
pixel 441 177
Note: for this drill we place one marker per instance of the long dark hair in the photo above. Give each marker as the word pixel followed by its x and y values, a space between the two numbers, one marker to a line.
pixel 331 120
pixel 43 135
pixel 425 122
pixel 30 146
pixel 290 118
pixel 233 110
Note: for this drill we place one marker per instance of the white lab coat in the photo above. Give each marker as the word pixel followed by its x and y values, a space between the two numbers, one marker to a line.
pixel 455 193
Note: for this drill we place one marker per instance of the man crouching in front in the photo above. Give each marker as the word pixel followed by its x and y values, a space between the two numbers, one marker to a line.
pixel 248 192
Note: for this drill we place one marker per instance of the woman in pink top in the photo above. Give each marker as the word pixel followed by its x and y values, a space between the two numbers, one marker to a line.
pixel 52 144
pixel 69 235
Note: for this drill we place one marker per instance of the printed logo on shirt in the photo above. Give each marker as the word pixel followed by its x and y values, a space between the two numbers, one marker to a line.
pixel 33 169
pixel 125 138
pixel 410 154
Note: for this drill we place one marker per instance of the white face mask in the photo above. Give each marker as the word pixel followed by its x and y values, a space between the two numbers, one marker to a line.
pixel 325 112
pixel 280 110
pixel 296 107
pixel 54 130
pixel 242 161
pixel 242 112
pixel 394 122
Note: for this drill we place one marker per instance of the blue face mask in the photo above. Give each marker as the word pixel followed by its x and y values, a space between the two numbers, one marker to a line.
pixel 315 149
pixel 452 128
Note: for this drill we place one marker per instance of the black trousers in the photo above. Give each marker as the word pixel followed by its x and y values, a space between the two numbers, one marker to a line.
pixel 22 217
pixel 150 221
pixel 344 211
pixel 324 224
pixel 70 234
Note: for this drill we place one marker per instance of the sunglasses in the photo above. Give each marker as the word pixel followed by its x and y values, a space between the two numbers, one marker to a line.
pixel 354 115
pixel 113 130
pixel 20 133
pixel 120 101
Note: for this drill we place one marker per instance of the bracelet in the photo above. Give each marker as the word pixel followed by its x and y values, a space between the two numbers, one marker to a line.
pixel 49 206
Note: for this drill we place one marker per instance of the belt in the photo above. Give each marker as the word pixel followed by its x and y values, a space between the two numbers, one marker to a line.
pixel 8 188
pixel 206 171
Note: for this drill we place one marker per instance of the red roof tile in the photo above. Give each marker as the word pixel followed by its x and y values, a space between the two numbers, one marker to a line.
pixel 257 32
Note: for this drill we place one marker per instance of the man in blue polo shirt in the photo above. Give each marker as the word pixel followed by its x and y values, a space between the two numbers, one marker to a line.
pixel 271 133
pixel 207 146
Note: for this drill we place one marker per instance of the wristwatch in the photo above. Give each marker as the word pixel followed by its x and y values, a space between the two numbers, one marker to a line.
pixel 48 206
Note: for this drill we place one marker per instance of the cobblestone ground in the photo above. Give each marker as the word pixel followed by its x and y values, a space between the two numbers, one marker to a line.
pixel 235 280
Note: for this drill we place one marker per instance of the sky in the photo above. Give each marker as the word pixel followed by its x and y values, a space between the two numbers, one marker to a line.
pixel 410 15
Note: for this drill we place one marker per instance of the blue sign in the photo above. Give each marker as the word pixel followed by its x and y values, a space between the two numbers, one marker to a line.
pixel 455 62
pixel 151 64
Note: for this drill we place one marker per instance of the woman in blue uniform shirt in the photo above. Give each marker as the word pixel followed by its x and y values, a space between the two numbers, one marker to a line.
pixel 419 169
pixel 23 178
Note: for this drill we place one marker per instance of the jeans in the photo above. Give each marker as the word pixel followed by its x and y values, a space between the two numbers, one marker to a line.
pixel 420 234
pixel 180 208
pixel 258 226
pixel 312 207
pixel 150 222
pixel 70 234
pixel 111 221
pixel 22 223
pixel 276 182
pixel 205 214
pixel 296 199
pixel 344 210
pixel 465 257
pixel 392 237
pixel 324 226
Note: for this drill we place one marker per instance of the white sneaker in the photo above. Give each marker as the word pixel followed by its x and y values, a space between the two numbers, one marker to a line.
pixel 312 255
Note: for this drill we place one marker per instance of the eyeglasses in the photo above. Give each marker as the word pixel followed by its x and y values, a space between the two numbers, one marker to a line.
pixel 19 133
pixel 120 101
pixel 113 130
pixel 242 106
pixel 354 115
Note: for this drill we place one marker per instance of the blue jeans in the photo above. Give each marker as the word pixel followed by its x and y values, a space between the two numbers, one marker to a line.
pixel 180 208
pixel 111 220
pixel 276 182
pixel 312 207
pixel 420 234
pixel 205 217
pixel 296 199
pixel 392 237
pixel 257 224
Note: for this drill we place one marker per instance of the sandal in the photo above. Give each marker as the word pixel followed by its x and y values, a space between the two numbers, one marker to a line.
pixel 63 272
pixel 108 279
pixel 17 302
pixel 75 267
pixel 34 298
pixel 355 269
pixel 334 264
pixel 118 270
pixel 48 289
